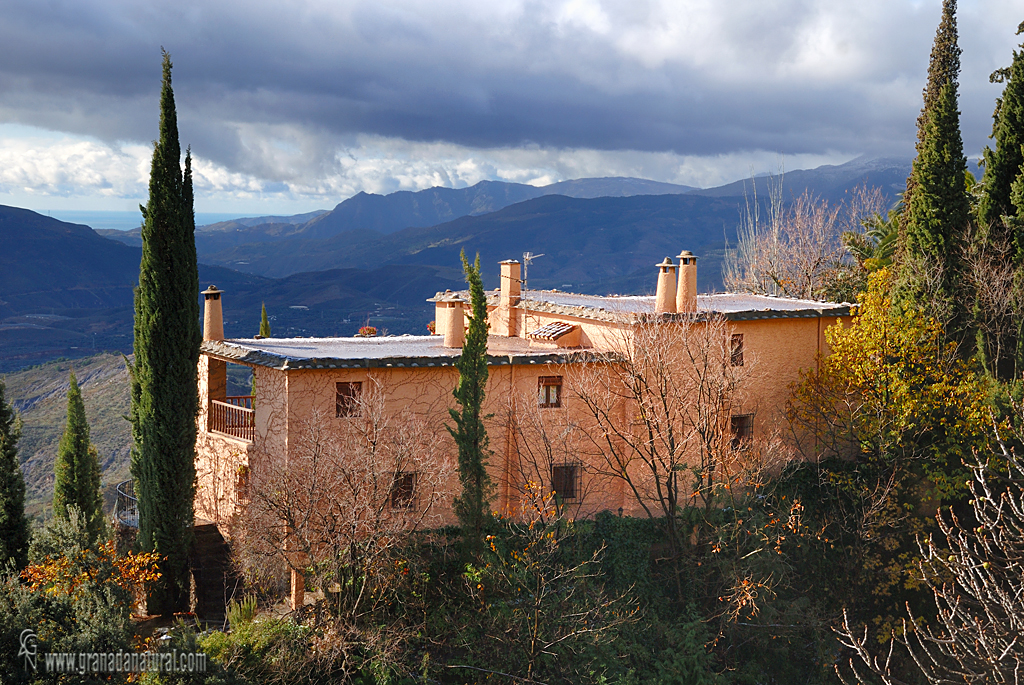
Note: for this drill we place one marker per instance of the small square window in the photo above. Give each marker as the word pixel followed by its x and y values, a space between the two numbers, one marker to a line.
pixel 347 399
pixel 403 490
pixel 549 391
pixel 736 350
pixel 742 426
pixel 565 481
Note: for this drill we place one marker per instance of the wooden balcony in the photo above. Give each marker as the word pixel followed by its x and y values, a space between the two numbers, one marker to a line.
pixel 234 417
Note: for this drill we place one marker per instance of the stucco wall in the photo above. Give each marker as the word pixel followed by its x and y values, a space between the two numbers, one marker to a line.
pixel 525 440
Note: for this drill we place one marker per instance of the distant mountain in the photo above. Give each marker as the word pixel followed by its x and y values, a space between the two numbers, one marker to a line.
pixel 404 209
pixel 294 219
pixel 226 233
pixel 83 269
pixel 300 251
pixel 366 215
pixel 591 245
pixel 68 292
pixel 615 186
pixel 830 182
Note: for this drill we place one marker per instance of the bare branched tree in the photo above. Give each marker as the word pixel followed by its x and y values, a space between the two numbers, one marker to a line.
pixel 667 416
pixel 342 505
pixel 798 249
pixel 998 286
pixel 976 575
pixel 543 440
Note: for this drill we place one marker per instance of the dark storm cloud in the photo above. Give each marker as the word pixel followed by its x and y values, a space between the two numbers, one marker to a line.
pixel 695 78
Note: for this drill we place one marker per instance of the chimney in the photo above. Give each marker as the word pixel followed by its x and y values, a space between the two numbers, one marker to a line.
pixel 454 322
pixel 665 299
pixel 511 280
pixel 686 295
pixel 213 317
pixel 505 320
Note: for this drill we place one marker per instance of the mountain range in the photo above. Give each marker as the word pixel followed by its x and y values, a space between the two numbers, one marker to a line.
pixel 66 290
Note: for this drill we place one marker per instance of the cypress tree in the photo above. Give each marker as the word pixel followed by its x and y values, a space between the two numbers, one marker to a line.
pixel 1000 210
pixel 937 212
pixel 264 323
pixel 77 470
pixel 471 506
pixel 164 375
pixel 264 333
pixel 14 532
pixel 1003 164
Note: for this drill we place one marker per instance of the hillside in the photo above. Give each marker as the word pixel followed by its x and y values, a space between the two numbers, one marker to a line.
pixel 39 394
pixel 83 269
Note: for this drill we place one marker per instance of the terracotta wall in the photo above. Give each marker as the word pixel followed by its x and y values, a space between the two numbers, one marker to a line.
pixel 525 439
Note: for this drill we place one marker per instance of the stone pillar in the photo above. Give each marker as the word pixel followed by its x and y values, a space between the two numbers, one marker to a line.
pixel 686 294
pixel 665 299
pixel 213 378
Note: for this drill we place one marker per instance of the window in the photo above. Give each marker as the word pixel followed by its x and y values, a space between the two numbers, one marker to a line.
pixel 565 481
pixel 736 349
pixel 550 391
pixel 347 400
pixel 742 426
pixel 403 490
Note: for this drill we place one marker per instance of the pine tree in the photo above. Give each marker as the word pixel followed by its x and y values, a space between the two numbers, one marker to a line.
pixel 14 532
pixel 1003 164
pixel 471 506
pixel 937 205
pixel 164 375
pixel 76 472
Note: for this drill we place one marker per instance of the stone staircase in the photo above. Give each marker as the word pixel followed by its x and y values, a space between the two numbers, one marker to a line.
pixel 216 581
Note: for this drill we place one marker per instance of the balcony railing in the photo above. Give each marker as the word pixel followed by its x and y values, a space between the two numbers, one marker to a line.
pixel 126 507
pixel 244 401
pixel 234 416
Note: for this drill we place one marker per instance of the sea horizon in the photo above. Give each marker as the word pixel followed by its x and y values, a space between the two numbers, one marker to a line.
pixel 125 220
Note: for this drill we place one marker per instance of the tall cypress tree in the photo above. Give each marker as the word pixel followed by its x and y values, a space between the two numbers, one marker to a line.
pixel 937 212
pixel 164 375
pixel 76 473
pixel 14 535
pixel 471 506
pixel 264 333
pixel 1003 164
pixel 1001 210
pixel 264 323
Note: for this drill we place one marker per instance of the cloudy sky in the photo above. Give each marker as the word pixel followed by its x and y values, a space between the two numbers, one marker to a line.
pixel 294 105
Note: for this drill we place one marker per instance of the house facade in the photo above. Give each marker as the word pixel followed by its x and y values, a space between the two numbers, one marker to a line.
pixel 543 348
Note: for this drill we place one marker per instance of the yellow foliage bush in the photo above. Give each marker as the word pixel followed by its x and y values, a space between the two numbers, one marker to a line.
pixel 893 391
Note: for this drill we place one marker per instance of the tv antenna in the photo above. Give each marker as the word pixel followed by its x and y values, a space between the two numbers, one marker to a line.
pixel 528 258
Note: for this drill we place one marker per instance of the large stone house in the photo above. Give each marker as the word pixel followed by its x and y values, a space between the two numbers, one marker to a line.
pixel 539 342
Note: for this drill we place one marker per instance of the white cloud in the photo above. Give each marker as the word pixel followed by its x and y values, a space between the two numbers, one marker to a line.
pixel 72 172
